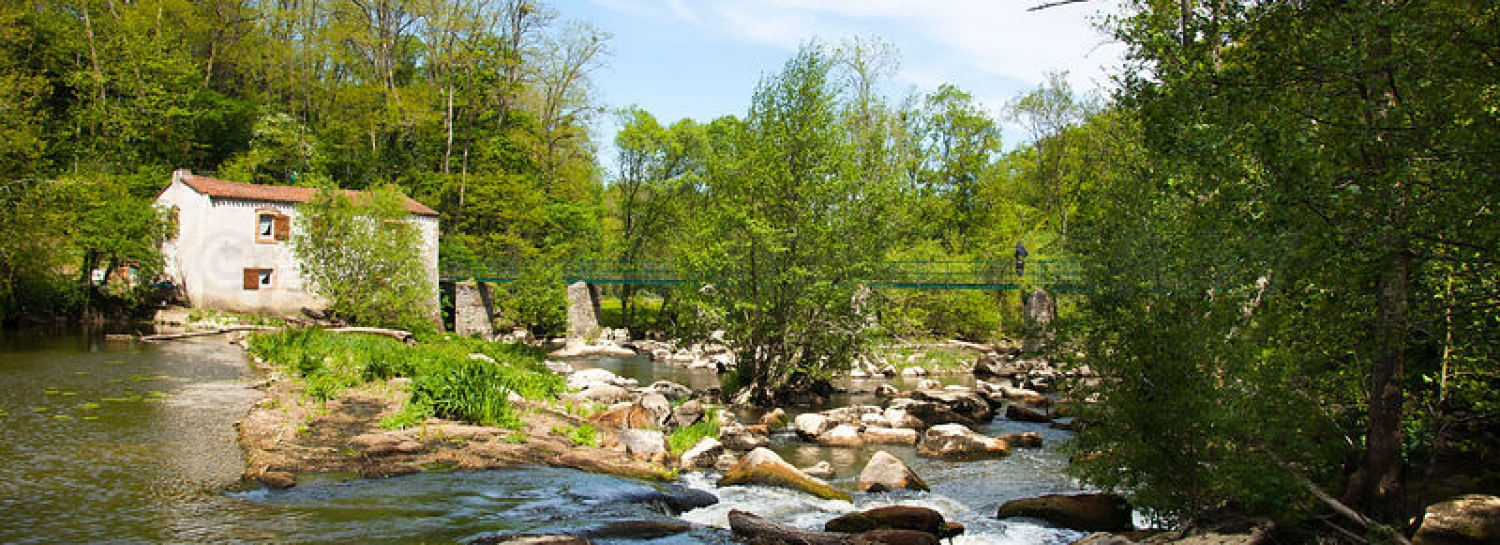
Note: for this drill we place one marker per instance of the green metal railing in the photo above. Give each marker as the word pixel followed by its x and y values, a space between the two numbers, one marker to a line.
pixel 929 275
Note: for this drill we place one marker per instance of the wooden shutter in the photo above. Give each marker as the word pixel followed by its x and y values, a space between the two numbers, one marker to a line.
pixel 252 279
pixel 283 227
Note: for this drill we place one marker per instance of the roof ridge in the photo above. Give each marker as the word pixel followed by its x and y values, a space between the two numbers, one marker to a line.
pixel 229 189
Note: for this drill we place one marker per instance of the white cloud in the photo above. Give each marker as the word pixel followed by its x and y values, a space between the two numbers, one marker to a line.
pixel 996 37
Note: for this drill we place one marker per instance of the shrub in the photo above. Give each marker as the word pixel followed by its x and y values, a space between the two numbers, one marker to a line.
pixel 447 381
pixel 685 437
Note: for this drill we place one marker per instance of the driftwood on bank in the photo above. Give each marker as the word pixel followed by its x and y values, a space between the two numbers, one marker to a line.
pixel 754 529
pixel 400 335
pixel 1337 506
pixel 207 332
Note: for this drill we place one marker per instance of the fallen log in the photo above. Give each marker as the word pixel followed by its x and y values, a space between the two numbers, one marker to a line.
pixel 205 333
pixel 755 529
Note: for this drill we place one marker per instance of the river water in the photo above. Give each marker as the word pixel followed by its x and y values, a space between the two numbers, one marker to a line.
pixel 104 441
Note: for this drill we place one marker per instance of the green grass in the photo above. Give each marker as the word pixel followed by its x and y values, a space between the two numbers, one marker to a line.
pixel 446 381
pixel 685 437
pixel 936 359
pixel 611 311
pixel 582 434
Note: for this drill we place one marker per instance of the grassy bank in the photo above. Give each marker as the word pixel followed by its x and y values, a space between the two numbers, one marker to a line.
pixel 450 377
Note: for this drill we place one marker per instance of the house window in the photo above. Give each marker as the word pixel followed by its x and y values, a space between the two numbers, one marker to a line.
pixel 272 226
pixel 256 279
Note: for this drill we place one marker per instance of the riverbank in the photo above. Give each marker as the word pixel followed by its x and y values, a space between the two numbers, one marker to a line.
pixel 287 434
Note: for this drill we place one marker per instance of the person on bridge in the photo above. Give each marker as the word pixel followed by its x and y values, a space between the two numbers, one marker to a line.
pixel 1020 259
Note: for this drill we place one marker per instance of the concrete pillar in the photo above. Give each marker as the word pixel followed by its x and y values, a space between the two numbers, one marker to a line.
pixel 473 310
pixel 583 312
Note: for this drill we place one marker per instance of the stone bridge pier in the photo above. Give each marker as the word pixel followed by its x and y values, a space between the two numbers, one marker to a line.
pixel 474 310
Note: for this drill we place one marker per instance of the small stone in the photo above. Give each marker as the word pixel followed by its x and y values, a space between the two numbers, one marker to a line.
pixel 821 470
pixel 1028 439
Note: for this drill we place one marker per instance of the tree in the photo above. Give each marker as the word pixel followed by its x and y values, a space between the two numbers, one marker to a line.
pixel 959 144
pixel 1314 177
pixel 658 166
pixel 790 231
pixel 1054 181
pixel 362 253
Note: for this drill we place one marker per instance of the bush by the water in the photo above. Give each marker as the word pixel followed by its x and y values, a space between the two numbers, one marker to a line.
pixel 685 437
pixel 451 377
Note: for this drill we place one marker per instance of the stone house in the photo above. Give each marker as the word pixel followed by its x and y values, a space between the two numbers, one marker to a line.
pixel 229 245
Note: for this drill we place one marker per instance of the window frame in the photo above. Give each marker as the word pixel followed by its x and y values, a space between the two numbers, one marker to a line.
pixel 258 278
pixel 279 226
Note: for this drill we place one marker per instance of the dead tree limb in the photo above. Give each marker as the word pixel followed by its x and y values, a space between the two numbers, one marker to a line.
pixel 219 331
pixel 403 336
pixel 1054 4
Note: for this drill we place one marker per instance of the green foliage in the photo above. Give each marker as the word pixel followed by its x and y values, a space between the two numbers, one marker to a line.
pixel 455 378
pixel 364 255
pixel 783 229
pixel 60 231
pixel 538 301
pixel 685 437
pixel 482 110
pixel 1278 249
pixel 944 314
pixel 581 434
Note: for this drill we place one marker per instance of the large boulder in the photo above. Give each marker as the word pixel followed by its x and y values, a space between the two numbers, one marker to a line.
pixel 671 390
pixel 743 438
pixel 586 377
pixel 1028 439
pixel 637 530
pixel 930 413
pixel 1085 512
pixel 842 435
pixel 763 467
pixel 810 425
pixel 964 402
pixel 996 365
pixel 895 537
pixel 1021 413
pixel 894 517
pixel 702 455
pixel 687 414
pixel 607 394
pixel 643 444
pixel 625 416
pixel 853 415
pixel 656 406
pixel 1465 520
pixel 897 417
pixel 890 436
pixel 886 472
pixel 955 441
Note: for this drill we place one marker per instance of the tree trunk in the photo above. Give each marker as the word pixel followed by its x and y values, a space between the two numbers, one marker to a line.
pixel 1377 484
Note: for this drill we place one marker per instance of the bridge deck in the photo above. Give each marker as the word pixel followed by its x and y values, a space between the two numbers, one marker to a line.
pixel 923 275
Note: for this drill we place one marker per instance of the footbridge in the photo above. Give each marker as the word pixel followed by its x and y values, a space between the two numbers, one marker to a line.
pixel 1050 274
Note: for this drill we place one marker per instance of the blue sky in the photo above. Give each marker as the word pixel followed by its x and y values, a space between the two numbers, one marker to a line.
pixel 703 58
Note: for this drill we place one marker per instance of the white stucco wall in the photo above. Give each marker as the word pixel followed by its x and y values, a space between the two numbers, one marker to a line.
pixel 217 242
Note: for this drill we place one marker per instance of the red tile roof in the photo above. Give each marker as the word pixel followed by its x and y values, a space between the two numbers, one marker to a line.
pixel 225 189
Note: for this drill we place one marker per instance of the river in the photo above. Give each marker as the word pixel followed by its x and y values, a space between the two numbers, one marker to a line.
pixel 104 441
